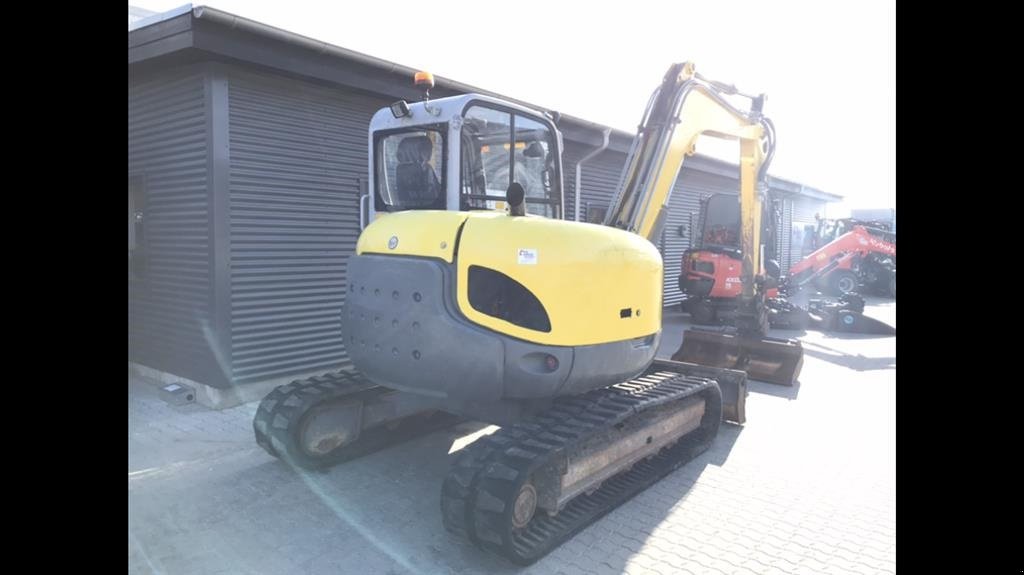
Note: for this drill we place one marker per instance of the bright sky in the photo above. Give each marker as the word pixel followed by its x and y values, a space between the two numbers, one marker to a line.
pixel 828 68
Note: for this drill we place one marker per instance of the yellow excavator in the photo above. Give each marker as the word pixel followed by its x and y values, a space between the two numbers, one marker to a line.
pixel 470 296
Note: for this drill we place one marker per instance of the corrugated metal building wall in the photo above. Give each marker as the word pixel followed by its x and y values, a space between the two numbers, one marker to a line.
pixel 785 248
pixel 298 154
pixel 170 324
pixel 599 177
pixel 570 155
pixel 800 213
pixel 804 210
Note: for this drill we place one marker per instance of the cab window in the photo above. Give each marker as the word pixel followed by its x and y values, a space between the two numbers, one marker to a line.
pixel 501 147
pixel 722 221
pixel 410 170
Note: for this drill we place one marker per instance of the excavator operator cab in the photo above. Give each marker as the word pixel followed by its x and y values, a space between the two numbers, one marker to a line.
pixel 462 153
pixel 721 225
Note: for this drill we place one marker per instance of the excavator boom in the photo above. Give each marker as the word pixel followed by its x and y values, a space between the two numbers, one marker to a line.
pixel 858 241
pixel 683 108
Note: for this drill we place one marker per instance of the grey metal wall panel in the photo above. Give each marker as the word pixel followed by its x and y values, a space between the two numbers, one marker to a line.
pixel 599 178
pixel 804 209
pixel 570 156
pixel 169 323
pixel 298 152
pixel 786 258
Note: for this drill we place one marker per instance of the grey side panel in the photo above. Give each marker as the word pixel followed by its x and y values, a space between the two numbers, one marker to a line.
pixel 401 332
pixel 298 153
pixel 169 308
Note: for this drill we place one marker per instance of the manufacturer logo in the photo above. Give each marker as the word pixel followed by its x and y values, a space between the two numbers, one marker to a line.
pixel 393 242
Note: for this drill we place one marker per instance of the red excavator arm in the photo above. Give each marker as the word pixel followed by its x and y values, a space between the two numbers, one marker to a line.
pixel 840 253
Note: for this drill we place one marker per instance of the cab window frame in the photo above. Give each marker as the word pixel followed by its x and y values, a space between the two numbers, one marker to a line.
pixel 379 204
pixel 554 193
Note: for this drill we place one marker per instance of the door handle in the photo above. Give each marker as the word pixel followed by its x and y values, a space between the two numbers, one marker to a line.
pixel 364 211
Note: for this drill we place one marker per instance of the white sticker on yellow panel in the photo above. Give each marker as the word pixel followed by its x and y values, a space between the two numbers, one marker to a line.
pixel 527 256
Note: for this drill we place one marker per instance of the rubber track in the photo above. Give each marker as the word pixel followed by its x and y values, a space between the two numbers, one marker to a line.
pixel 278 419
pixel 477 496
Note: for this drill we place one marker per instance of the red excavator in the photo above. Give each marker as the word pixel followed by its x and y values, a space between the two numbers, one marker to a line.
pixel 851 253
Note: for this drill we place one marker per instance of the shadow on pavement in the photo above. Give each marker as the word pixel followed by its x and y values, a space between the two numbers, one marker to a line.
pixel 784 391
pixel 855 362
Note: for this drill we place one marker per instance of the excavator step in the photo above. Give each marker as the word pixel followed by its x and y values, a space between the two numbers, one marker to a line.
pixel 494 494
pixel 769 359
